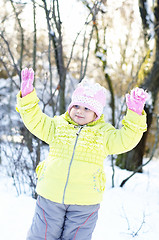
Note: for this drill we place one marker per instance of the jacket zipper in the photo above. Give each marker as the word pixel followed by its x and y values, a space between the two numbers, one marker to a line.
pixel 68 174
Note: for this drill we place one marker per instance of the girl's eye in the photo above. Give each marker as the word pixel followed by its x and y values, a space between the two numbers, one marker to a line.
pixel 87 109
pixel 76 106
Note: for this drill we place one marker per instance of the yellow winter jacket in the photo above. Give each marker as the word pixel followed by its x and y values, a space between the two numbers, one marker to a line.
pixel 73 171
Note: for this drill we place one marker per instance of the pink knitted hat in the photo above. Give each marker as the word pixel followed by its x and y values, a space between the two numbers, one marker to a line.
pixel 92 96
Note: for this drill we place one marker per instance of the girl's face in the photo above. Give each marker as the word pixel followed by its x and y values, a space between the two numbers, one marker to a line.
pixel 82 115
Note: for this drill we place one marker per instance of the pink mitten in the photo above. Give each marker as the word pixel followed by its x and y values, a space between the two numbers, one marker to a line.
pixel 27 81
pixel 136 100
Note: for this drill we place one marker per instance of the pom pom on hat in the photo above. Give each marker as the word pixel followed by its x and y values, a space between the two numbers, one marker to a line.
pixel 92 96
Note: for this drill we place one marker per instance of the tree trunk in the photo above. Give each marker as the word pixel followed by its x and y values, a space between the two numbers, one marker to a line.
pixel 133 159
pixel 55 36
pixel 21 36
pixel 35 37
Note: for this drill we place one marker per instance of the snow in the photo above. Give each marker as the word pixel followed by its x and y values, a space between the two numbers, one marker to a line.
pixel 131 212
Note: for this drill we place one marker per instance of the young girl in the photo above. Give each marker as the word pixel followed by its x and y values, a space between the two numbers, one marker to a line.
pixel 71 181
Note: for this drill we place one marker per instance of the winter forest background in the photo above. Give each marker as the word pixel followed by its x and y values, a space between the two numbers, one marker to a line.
pixel 115 43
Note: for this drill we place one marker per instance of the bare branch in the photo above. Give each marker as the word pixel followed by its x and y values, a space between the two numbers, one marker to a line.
pixel 22 35
pixel 132 232
pixel 35 36
pixel 82 75
pixel 93 12
pixel 7 70
pixel 10 53
pixel 71 54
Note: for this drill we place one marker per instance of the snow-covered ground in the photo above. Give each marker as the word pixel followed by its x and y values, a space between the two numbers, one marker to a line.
pixel 131 212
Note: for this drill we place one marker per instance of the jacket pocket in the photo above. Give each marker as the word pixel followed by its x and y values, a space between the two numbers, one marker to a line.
pixel 99 180
pixel 40 170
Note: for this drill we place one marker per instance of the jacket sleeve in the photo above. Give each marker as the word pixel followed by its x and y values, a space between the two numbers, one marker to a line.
pixel 117 141
pixel 38 123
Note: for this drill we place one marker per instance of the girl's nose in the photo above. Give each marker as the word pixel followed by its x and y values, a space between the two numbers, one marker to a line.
pixel 79 110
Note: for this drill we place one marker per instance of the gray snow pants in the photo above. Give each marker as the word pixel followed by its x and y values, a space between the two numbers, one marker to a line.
pixel 53 221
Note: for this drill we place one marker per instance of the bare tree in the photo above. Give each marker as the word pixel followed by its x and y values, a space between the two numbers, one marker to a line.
pixel 55 37
pixel 35 37
pixel 21 36
pixel 20 170
pixel 133 159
